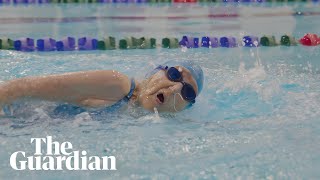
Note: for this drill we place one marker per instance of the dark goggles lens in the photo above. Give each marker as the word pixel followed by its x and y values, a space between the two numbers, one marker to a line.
pixel 174 74
pixel 187 91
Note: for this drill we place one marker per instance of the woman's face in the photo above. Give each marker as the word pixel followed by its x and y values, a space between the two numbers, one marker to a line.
pixel 165 95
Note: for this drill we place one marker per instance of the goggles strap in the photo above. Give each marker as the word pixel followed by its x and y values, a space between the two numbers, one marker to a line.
pixel 174 101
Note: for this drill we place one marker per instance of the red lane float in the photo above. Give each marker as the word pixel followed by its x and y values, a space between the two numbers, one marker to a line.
pixel 310 40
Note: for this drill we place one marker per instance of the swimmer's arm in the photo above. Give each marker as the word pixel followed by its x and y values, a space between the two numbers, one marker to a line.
pixel 83 88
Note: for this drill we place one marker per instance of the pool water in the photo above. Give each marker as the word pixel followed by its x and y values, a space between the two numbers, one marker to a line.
pixel 257 116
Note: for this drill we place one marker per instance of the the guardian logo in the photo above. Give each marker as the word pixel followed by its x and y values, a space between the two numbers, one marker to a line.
pixel 59 157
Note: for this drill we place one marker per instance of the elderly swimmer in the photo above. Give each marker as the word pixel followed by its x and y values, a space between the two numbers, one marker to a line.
pixel 170 87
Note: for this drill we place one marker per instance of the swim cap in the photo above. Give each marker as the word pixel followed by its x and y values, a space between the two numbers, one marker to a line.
pixel 194 69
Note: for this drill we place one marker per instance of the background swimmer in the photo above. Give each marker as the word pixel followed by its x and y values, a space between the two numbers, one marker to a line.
pixel 171 87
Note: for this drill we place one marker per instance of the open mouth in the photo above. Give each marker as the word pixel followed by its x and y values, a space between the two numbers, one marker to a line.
pixel 160 98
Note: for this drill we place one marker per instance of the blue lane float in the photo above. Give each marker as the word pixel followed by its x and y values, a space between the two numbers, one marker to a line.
pixel 214 42
pixel 66 44
pixel 250 41
pixel 46 44
pixel 43 1
pixel 189 42
pixel 184 41
pixel 207 42
pixel 24 44
pixel 104 1
pixel 24 1
pixel 228 42
pixel 195 42
pixel 87 43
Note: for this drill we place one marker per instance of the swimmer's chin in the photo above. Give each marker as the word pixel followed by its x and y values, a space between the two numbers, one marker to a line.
pixel 158 108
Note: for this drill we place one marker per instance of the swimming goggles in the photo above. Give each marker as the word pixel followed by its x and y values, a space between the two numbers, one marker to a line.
pixel 187 91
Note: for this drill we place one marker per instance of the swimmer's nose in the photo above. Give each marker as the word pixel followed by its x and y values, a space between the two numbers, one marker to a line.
pixel 176 88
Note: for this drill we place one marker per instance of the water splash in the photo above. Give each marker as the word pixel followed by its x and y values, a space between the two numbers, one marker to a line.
pixel 255 79
pixel 156 113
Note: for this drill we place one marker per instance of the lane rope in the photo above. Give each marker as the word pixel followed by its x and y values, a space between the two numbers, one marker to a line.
pixel 109 43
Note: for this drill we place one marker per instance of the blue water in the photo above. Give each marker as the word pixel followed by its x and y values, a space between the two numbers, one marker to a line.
pixel 257 116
